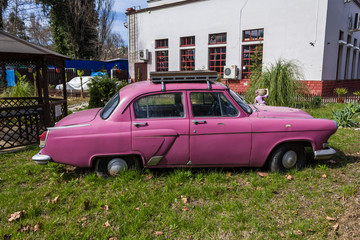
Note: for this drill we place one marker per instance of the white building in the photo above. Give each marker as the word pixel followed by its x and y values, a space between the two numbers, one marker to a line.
pixel 320 35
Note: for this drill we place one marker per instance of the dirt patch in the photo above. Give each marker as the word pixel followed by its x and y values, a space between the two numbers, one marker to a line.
pixel 349 221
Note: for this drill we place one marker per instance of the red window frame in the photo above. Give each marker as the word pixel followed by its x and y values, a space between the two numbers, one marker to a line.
pixel 217 59
pixel 162 61
pixel 253 35
pixel 217 38
pixel 161 43
pixel 187 41
pixel 187 59
pixel 247 52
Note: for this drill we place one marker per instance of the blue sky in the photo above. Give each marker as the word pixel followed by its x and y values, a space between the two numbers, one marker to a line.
pixel 120 7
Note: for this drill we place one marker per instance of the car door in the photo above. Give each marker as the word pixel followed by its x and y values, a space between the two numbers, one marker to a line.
pixel 160 129
pixel 220 133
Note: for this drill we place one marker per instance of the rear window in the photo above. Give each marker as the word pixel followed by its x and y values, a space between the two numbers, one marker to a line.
pixel 110 106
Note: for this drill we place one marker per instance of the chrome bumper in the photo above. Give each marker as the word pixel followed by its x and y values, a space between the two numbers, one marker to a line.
pixel 41 159
pixel 324 154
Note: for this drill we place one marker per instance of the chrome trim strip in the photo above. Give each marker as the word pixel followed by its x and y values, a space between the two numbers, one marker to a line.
pixel 154 160
pixel 47 134
pixel 324 154
pixel 70 126
pixel 41 159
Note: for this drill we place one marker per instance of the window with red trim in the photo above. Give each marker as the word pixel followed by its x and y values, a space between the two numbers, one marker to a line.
pixel 251 58
pixel 253 35
pixel 187 41
pixel 162 43
pixel 217 59
pixel 162 61
pixel 187 59
pixel 218 38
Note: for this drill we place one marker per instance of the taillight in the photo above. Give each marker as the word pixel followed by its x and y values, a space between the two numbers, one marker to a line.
pixel 43 137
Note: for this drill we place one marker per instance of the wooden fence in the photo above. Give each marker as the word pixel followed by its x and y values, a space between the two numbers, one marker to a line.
pixel 22 120
pixel 330 99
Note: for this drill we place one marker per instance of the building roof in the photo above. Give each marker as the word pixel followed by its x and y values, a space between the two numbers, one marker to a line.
pixel 116 59
pixel 12 44
pixel 173 4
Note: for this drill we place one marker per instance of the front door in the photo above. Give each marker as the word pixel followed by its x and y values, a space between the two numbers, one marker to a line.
pixel 220 134
pixel 140 72
pixel 160 129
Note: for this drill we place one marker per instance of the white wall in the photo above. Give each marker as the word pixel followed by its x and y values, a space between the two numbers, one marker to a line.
pixel 337 19
pixel 289 28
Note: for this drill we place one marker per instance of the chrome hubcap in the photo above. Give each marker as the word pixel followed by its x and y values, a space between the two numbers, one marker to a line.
pixel 116 166
pixel 289 159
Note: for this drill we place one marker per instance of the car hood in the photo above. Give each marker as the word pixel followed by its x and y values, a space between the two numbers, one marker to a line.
pixel 81 117
pixel 280 112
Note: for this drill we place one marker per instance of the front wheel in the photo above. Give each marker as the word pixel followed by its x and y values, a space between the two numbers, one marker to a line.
pixel 106 167
pixel 286 157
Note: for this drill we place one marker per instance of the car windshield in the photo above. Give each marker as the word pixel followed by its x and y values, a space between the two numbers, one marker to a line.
pixel 241 102
pixel 110 106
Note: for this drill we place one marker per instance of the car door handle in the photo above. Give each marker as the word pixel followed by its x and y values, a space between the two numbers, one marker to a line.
pixel 198 122
pixel 140 124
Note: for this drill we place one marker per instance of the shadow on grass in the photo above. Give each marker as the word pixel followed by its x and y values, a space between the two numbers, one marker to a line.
pixel 338 161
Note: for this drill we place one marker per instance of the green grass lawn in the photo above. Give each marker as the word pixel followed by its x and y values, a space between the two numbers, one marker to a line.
pixel 61 202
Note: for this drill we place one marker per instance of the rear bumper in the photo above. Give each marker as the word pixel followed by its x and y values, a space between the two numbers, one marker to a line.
pixel 324 154
pixel 41 159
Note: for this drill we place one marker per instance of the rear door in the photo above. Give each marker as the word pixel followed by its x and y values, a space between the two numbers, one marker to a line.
pixel 220 133
pixel 160 128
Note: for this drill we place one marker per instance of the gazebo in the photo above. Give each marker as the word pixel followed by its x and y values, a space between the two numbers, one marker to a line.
pixel 23 119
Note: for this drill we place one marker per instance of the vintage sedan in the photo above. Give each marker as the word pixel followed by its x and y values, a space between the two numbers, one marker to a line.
pixel 184 119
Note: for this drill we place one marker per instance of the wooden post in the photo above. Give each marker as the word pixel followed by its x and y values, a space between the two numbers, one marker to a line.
pixel 38 84
pixel 64 88
pixel 45 87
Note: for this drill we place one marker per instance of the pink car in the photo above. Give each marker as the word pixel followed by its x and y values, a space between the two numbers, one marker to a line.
pixel 184 120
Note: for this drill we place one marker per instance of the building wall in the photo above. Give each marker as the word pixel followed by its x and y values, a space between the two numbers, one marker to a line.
pixel 338 19
pixel 305 31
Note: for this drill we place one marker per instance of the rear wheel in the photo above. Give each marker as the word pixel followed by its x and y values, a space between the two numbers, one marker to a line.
pixel 106 167
pixel 286 157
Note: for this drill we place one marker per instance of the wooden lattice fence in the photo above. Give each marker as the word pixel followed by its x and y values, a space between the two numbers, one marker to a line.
pixel 21 120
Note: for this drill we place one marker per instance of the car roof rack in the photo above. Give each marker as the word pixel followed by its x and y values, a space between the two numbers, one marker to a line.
pixel 183 76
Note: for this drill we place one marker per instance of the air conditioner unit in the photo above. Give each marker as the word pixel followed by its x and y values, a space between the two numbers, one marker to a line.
pixel 230 72
pixel 357 21
pixel 144 54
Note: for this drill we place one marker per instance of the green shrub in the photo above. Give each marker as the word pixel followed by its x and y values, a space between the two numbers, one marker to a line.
pixel 340 91
pixel 281 79
pixel 316 102
pixel 101 89
pixel 347 116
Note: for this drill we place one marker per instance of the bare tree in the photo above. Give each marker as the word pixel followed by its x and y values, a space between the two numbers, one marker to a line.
pixel 3 6
pixel 39 33
pixel 106 19
pixel 114 47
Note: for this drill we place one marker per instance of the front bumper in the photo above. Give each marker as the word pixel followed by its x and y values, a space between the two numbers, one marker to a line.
pixel 41 159
pixel 324 154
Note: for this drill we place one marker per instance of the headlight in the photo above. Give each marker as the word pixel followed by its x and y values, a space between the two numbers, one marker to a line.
pixel 336 124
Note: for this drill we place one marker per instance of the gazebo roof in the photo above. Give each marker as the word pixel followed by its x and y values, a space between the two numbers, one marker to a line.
pixel 10 44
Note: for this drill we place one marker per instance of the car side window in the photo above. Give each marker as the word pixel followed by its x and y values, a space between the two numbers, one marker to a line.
pixel 169 105
pixel 211 104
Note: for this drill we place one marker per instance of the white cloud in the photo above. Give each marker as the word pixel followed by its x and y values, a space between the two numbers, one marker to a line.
pixel 119 8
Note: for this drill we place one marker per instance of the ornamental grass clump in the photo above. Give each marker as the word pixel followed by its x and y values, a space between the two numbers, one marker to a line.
pixel 282 80
pixel 340 91
pixel 22 88
pixel 347 117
